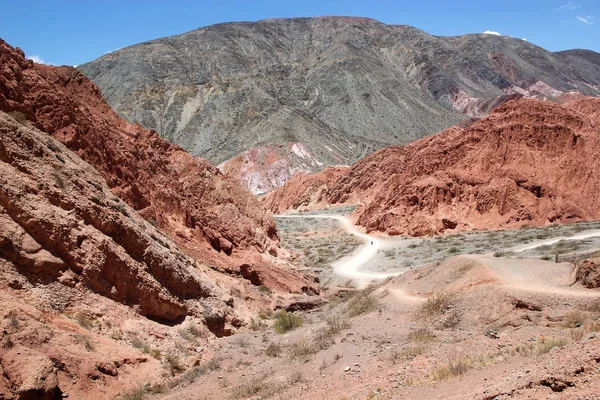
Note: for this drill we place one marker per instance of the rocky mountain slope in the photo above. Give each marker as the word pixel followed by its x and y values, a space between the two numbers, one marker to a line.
pixel 94 296
pixel 282 96
pixel 184 196
pixel 530 162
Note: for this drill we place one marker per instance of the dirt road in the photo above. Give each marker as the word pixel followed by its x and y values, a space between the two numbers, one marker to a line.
pixel 349 266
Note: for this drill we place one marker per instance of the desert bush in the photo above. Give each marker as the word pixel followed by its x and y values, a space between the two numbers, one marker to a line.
pixel 241 341
pixel 285 321
pixel 545 346
pixel 453 250
pixel 257 325
pixel 140 392
pixel 436 305
pixel 140 344
pixel 336 324
pixel 155 353
pixel 258 387
pixel 362 302
pixel 540 347
pixel 87 344
pixel 190 333
pixel 411 352
pixel 302 349
pixel 455 367
pixel 173 364
pixel 273 350
pixel 422 335
pixel 192 374
pixel 546 257
pixel 266 314
pixel 575 319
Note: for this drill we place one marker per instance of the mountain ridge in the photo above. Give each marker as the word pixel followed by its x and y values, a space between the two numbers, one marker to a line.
pixel 246 95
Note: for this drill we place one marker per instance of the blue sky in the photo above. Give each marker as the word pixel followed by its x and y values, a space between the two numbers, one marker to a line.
pixel 73 32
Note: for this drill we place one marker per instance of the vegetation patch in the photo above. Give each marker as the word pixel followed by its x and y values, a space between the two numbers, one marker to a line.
pixel 285 322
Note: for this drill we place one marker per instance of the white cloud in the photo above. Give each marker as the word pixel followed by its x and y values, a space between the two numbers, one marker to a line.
pixel 492 33
pixel 523 39
pixel 586 20
pixel 568 6
pixel 36 59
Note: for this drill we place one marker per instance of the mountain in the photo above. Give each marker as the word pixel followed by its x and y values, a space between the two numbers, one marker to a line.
pixel 530 162
pixel 271 99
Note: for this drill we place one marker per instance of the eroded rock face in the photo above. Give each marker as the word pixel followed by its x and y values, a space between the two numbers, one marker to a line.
pixel 59 221
pixel 588 273
pixel 529 162
pixel 186 196
pixel 210 216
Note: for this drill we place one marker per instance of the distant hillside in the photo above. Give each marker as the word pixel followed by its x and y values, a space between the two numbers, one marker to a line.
pixel 530 162
pixel 273 98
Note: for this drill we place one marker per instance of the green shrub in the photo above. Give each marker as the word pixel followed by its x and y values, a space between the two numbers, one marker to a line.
pixel 285 321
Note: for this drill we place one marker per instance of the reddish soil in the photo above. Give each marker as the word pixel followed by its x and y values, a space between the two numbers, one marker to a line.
pixel 521 165
pixel 472 327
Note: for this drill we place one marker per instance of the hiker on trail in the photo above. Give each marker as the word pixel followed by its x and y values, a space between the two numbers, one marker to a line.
pixel 371 243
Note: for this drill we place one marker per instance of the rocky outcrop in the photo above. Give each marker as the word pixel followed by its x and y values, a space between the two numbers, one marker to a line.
pixel 529 162
pixel 59 221
pixel 210 216
pixel 587 272
pixel 338 88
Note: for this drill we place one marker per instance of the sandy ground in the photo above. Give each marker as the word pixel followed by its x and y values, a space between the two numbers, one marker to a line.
pixel 489 325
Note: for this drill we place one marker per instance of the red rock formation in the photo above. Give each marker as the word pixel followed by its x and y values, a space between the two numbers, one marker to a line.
pixel 210 216
pixel 304 192
pixel 529 162
pixel 60 222
pixel 588 272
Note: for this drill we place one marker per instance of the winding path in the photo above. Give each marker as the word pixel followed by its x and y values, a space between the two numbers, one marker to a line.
pixel 548 242
pixel 349 266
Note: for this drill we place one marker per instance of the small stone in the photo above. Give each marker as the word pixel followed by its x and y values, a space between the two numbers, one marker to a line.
pixel 347 369
pixel 356 364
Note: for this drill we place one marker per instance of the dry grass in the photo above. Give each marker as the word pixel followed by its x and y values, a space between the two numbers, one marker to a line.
pixel 258 387
pixel 140 392
pixel 575 319
pixel 361 303
pixel 411 353
pixel 257 324
pixel 421 335
pixel 456 366
pixel 174 365
pixel 192 374
pixel 302 349
pixel 436 305
pixel 273 350
pixel 538 348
